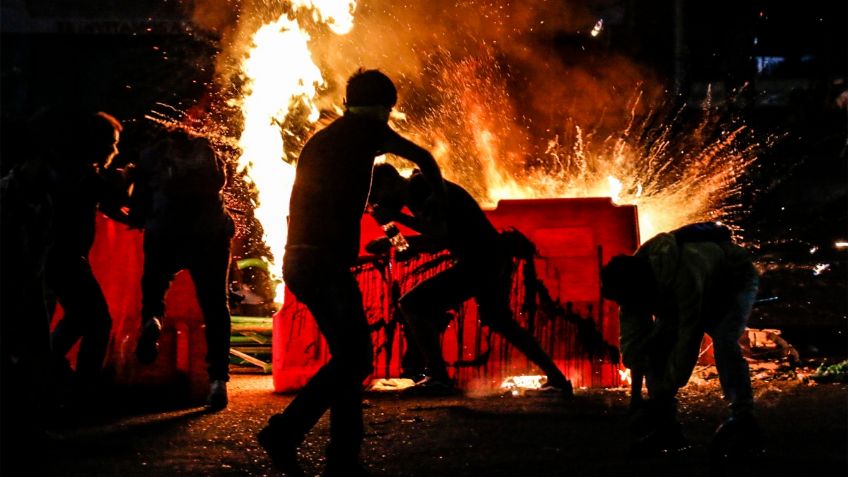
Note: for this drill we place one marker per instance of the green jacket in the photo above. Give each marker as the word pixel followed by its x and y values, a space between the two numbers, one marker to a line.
pixel 695 281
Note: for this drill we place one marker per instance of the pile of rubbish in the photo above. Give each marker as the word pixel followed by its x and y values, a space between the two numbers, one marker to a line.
pixel 831 373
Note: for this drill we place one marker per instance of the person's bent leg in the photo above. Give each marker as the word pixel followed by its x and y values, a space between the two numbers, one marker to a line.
pixel 740 435
pixel 159 271
pixel 732 368
pixel 527 344
pixel 97 330
pixel 494 311
pixel 62 282
pixel 423 305
pixel 209 272
pixel 333 298
pixel 86 316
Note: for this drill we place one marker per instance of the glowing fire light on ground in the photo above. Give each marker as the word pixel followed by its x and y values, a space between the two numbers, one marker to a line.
pixel 281 79
pixel 517 385
pixel 624 375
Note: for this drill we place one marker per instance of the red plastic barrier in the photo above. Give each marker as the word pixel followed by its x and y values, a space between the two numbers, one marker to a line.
pixel 574 238
pixel 117 259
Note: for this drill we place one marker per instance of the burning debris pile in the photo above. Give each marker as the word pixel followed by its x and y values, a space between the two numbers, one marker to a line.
pixel 831 373
pixel 480 88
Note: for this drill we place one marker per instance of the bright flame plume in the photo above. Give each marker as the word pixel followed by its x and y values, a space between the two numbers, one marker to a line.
pixel 461 103
pixel 280 80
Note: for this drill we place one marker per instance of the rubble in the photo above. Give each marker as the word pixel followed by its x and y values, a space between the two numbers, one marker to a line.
pixel 763 344
pixel 834 373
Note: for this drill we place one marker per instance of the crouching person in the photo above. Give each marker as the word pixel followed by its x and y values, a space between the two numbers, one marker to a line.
pixel 676 287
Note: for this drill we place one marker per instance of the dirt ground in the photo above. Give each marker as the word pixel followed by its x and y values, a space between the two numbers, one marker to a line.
pixel 806 426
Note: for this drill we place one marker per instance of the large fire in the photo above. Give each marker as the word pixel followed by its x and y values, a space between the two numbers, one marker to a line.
pixel 567 134
pixel 280 79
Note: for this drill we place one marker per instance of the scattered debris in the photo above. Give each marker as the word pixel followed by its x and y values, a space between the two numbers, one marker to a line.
pixel 763 344
pixel 518 385
pixel 834 373
pixel 390 384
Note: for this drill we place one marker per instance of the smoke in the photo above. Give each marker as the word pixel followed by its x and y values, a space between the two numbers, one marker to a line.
pixel 515 99
pixel 409 39
pixel 214 16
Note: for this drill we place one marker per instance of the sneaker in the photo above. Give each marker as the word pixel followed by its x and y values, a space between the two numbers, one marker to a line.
pixel 282 452
pixel 737 438
pixel 430 386
pixel 217 398
pixel 147 347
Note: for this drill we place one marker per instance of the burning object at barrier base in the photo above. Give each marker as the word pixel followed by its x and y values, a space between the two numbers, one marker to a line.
pixel 518 385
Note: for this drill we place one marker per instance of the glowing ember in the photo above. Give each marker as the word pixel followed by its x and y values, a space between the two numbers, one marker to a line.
pixel 518 384
pixel 624 374
pixel 599 26
pixel 841 244
pixel 336 14
pixel 820 268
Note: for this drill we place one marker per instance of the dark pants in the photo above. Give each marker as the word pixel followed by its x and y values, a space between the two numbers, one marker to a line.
pixel 207 259
pixel 331 293
pixel 27 385
pixel 490 286
pixel 86 315
pixel 733 372
pixel 725 325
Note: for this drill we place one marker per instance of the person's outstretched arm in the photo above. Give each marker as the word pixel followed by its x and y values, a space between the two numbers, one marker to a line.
pixel 437 201
pixel 402 147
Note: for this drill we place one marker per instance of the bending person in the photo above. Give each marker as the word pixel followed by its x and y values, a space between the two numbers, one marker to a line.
pixel 676 287
pixel 482 270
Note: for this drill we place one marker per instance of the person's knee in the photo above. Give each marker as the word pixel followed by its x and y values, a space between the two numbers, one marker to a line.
pixel 725 348
pixel 359 366
pixel 355 358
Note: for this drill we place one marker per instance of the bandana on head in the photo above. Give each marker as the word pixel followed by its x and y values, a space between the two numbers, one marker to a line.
pixel 374 112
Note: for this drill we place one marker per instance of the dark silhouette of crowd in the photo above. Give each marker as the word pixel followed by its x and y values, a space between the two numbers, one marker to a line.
pixel 676 287
pixel 50 201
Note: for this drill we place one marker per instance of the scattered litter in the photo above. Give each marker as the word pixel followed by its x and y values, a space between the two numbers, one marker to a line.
pixel 518 385
pixel 390 384
pixel 833 373
pixel 762 344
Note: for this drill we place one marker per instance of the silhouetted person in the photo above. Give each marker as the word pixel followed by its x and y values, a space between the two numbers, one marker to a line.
pixel 177 199
pixel 328 199
pixel 482 270
pixel 26 225
pixel 676 287
pixel 81 158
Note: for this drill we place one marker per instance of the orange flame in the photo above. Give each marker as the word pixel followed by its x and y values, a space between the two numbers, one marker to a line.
pixel 476 128
pixel 281 79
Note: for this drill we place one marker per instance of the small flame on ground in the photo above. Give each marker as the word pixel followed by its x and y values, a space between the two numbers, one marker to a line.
pixel 624 375
pixel 820 268
pixel 518 384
